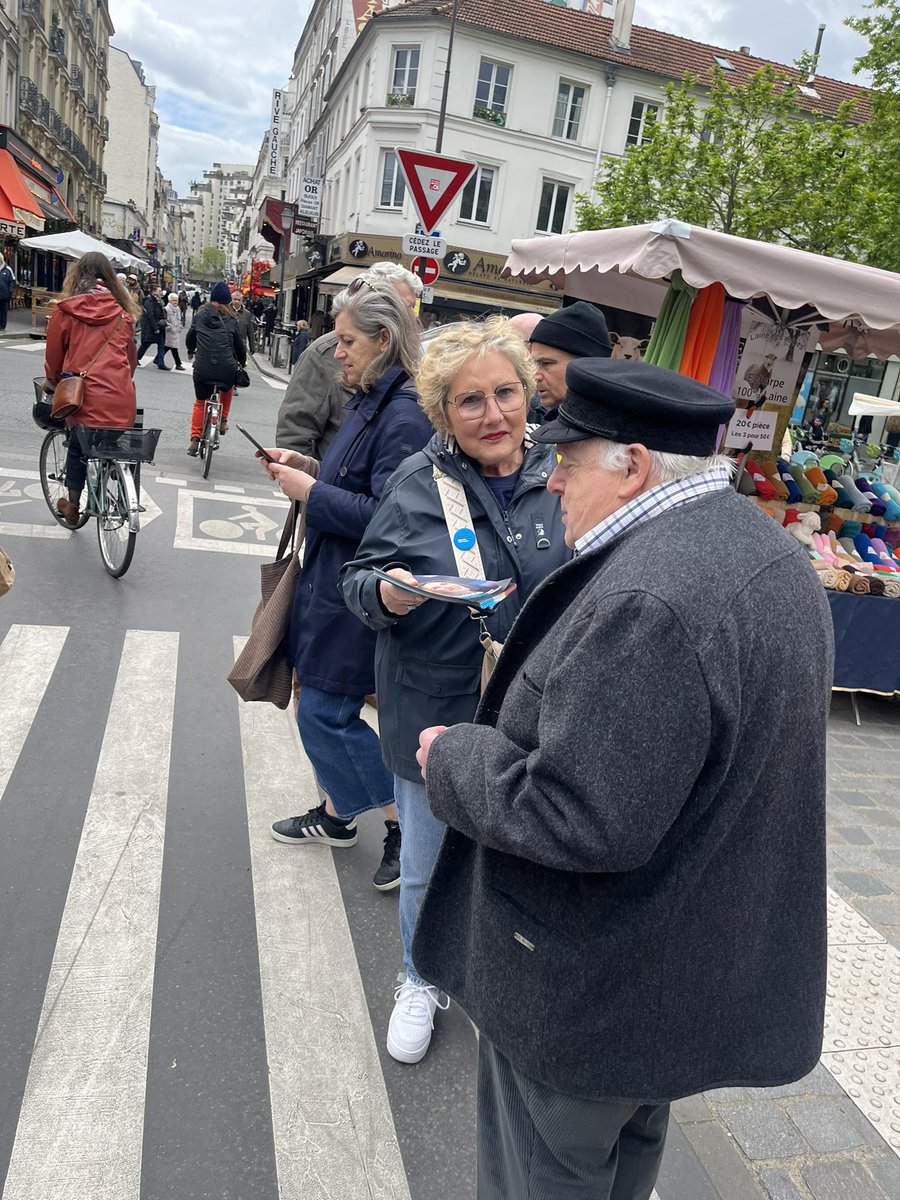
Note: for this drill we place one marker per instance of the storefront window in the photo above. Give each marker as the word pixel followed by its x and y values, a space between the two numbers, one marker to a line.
pixel 835 380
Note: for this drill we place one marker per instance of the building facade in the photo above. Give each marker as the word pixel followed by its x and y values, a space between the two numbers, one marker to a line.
pixel 131 206
pixel 9 61
pixel 63 81
pixel 540 93
pixel 213 211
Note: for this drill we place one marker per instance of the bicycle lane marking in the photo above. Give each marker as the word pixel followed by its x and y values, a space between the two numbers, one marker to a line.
pixel 11 495
pixel 28 657
pixel 81 1123
pixel 225 535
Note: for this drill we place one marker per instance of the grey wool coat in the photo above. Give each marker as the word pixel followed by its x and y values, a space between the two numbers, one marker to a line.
pixel 630 899
pixel 312 410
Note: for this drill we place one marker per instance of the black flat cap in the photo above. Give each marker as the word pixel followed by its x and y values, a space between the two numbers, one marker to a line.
pixel 626 401
pixel 579 329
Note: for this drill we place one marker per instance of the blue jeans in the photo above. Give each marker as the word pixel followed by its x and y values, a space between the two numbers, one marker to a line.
pixel 344 751
pixel 421 834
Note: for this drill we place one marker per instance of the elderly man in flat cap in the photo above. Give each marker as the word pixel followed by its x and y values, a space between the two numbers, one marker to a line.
pixel 630 899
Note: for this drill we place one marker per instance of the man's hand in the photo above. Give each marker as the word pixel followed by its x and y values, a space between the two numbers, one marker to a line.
pixel 426 738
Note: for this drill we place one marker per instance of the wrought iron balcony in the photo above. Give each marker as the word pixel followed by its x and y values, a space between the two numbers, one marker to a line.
pixel 56 125
pixel 93 107
pixel 58 46
pixel 33 10
pixel 43 113
pixel 67 136
pixel 101 59
pixel 104 128
pixel 78 81
pixel 29 97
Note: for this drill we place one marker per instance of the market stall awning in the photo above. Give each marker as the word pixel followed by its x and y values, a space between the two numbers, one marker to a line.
pixel 789 285
pixel 863 405
pixel 75 243
pixel 17 204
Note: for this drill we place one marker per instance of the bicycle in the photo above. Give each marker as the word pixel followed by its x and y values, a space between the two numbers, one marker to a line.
pixel 112 498
pixel 209 438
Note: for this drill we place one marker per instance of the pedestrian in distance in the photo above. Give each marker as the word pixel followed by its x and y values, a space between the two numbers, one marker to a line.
pixel 629 902
pixel 173 329
pixel 313 409
pixel 153 328
pixel 196 301
pixel 215 344
pixel 92 331
pixel 7 290
pixel 270 315
pixel 245 321
pixel 578 331
pixel 300 342
pixel 332 652
pixel 474 382
pixel 183 305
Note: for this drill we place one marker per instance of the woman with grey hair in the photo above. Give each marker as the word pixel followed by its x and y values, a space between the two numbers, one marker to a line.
pixel 333 653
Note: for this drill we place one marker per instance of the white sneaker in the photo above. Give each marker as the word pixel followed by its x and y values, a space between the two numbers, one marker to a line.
pixel 412 1021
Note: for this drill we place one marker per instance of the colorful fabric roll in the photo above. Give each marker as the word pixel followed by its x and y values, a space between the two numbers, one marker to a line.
pixel 844 579
pixel 809 493
pixel 702 338
pixel 816 476
pixel 892 588
pixel 876 586
pixel 859 585
pixel 849 529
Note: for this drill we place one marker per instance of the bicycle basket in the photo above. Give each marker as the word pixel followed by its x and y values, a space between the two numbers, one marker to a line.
pixel 42 408
pixel 123 445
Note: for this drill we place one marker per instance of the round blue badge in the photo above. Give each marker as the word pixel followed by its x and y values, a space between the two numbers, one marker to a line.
pixel 464 539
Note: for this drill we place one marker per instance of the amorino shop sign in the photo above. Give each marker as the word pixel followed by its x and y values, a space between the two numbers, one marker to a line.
pixel 461 265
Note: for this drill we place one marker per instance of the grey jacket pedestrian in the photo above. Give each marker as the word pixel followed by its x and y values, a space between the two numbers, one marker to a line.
pixel 247 325
pixel 630 900
pixel 312 410
pixel 173 326
pixel 428 665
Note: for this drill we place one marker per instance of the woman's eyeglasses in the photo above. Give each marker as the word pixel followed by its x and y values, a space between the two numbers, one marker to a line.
pixel 508 397
pixel 357 284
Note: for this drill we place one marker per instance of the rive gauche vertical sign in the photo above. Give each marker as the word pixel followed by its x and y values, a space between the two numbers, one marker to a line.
pixel 272 171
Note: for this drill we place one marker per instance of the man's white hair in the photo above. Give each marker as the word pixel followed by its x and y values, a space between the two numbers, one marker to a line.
pixel 395 273
pixel 664 467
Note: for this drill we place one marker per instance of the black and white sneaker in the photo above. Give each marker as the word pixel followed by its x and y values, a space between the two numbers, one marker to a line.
pixel 315 827
pixel 387 877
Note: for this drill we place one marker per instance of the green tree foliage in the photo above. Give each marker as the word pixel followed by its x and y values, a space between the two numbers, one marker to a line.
pixel 744 160
pixel 212 261
pixel 882 134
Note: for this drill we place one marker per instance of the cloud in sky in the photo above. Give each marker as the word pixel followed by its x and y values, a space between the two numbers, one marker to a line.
pixel 214 66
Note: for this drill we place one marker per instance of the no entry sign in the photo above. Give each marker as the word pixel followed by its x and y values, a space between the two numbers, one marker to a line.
pixel 432 270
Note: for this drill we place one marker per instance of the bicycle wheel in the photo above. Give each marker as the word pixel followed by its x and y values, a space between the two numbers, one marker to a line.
pixel 208 441
pixel 117 521
pixel 54 452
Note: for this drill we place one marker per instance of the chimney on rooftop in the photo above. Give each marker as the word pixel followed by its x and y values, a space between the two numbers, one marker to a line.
pixel 743 50
pixel 622 22
pixel 811 78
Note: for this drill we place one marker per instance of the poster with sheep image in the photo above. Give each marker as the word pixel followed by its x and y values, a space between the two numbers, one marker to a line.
pixel 769 365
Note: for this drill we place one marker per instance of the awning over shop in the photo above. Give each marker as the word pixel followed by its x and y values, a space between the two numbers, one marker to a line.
pixel 269 225
pixel 17 205
pixel 488 299
pixel 54 208
pixel 338 280
pixel 130 247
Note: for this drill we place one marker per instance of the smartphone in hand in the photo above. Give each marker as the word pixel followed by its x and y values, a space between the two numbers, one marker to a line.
pixel 264 454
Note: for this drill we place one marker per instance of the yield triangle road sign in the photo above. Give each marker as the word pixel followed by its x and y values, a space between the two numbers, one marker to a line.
pixel 434 182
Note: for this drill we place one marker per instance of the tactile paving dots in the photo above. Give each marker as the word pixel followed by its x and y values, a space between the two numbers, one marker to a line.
pixel 846 927
pixel 862 1007
pixel 871 1078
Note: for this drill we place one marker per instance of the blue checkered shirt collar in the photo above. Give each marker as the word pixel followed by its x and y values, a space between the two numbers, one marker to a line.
pixel 651 503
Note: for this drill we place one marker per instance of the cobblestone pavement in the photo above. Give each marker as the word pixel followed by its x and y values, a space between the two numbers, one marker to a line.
pixel 836 1134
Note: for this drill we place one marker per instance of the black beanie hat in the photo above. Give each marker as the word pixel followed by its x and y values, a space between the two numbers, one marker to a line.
pixel 221 293
pixel 579 329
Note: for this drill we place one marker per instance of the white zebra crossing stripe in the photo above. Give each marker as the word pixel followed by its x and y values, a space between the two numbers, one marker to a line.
pixel 332 1124
pixel 28 656
pixel 81 1125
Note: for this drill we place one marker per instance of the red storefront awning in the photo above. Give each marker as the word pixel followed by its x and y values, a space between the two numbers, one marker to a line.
pixel 17 204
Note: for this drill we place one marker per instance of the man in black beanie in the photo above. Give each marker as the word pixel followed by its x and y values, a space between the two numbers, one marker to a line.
pixel 578 331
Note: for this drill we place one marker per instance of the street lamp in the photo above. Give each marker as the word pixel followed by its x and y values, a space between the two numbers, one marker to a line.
pixel 81 207
pixel 287 222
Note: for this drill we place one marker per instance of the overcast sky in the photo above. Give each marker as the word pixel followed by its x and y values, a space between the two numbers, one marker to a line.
pixel 214 65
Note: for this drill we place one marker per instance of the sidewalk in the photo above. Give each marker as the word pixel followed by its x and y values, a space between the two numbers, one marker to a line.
pixel 18 324
pixel 836 1134
pixel 264 366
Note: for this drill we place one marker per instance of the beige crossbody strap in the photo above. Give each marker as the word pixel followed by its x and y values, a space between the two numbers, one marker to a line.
pixel 459 526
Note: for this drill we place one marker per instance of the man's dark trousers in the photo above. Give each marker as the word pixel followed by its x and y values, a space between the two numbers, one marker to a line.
pixel 4 309
pixel 534 1141
pixel 159 342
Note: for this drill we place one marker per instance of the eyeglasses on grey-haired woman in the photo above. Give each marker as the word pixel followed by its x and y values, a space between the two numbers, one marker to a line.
pixel 509 397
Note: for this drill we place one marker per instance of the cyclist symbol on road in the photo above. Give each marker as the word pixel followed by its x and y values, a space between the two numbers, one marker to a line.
pixel 252 521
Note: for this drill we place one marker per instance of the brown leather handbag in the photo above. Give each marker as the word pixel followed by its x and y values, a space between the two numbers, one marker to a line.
pixel 68 395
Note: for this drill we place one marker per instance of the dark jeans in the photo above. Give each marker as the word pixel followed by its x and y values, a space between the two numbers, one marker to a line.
pixel 534 1141
pixel 159 342
pixel 76 465
pixel 173 350
pixel 344 751
pixel 4 309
